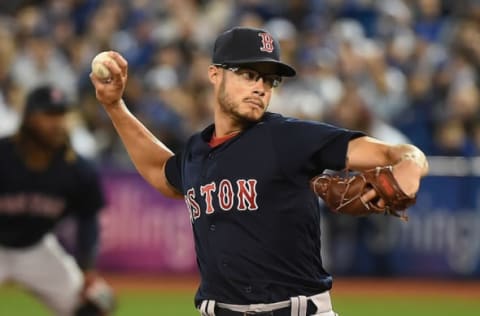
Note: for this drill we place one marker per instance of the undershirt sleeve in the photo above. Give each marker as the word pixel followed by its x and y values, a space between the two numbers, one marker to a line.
pixel 173 172
pixel 333 155
pixel 310 147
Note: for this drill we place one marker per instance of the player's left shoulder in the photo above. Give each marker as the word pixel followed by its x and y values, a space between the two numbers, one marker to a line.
pixel 84 167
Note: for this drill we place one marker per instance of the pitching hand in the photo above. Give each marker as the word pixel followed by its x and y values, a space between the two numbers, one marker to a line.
pixel 109 92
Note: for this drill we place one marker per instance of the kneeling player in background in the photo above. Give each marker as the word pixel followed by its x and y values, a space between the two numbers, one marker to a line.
pixel 42 181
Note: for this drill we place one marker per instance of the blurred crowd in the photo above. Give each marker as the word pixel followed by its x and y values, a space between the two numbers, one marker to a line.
pixel 400 70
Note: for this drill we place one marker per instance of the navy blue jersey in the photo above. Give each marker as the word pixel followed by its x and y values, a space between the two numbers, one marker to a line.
pixel 32 202
pixel 256 222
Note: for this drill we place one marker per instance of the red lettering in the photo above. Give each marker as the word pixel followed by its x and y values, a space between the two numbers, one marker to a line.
pixel 225 195
pixel 247 194
pixel 192 204
pixel 207 190
pixel 267 42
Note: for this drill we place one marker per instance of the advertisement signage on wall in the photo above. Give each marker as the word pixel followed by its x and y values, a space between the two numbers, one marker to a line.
pixel 143 231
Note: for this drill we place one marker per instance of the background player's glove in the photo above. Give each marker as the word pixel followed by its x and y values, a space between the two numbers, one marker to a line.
pixel 97 298
pixel 343 194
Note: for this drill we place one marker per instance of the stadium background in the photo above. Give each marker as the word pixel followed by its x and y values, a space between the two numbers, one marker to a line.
pixel 397 69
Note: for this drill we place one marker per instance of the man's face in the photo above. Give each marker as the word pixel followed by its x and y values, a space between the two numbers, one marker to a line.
pixel 243 94
pixel 48 129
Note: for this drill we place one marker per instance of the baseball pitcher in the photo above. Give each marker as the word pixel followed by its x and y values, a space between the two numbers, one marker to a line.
pixel 246 180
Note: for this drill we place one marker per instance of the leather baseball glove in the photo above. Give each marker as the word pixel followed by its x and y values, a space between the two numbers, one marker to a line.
pixel 343 194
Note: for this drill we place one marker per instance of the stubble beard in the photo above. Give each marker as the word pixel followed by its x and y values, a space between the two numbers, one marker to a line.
pixel 46 143
pixel 230 107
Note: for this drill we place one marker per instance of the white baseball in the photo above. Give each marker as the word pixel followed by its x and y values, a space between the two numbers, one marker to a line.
pixel 98 68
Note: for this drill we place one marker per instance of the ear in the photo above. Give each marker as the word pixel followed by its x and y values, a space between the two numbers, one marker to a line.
pixel 213 74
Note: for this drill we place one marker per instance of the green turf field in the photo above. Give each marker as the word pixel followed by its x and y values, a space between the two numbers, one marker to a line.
pixel 134 303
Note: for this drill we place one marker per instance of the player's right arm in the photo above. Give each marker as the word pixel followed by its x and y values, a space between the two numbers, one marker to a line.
pixel 149 155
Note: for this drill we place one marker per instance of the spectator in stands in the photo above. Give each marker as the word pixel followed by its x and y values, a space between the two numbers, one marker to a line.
pixel 408 57
pixel 10 94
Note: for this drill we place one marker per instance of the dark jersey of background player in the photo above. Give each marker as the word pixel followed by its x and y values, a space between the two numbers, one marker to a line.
pixel 33 200
pixel 256 222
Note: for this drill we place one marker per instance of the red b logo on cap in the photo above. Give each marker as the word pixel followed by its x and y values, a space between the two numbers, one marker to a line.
pixel 267 42
pixel 56 96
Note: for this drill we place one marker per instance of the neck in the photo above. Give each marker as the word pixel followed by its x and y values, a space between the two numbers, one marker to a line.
pixel 225 126
pixel 35 156
pixel 220 133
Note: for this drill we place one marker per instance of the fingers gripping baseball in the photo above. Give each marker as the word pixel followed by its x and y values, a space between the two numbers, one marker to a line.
pixel 109 77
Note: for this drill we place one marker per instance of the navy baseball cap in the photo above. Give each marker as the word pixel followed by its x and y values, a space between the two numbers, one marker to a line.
pixel 46 99
pixel 254 47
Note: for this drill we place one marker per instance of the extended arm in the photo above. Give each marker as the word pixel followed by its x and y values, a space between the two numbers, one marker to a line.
pixel 409 162
pixel 148 154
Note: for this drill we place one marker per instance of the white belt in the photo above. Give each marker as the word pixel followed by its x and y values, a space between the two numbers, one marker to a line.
pixel 298 305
